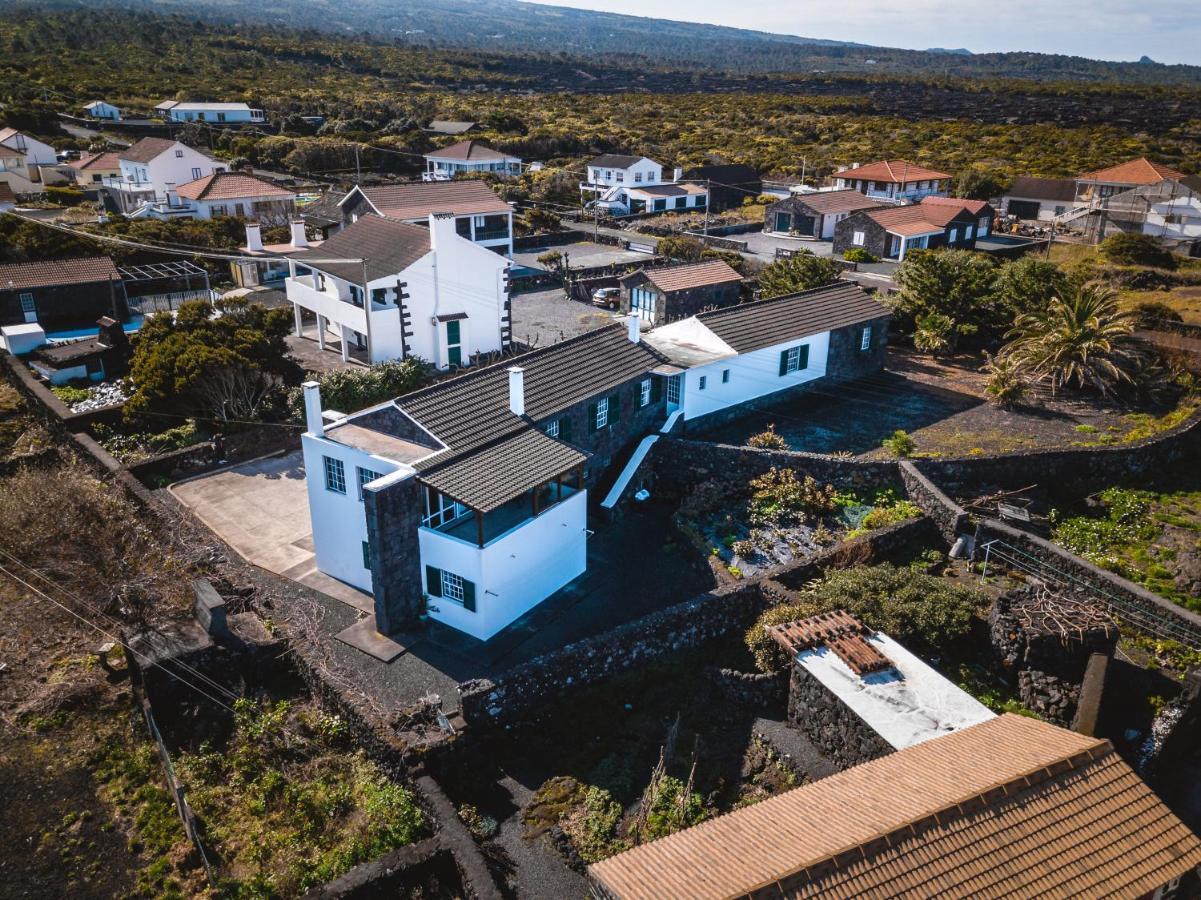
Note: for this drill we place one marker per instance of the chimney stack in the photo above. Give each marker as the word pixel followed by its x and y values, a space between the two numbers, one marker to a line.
pixel 254 237
pixel 442 228
pixel 677 174
pixel 298 235
pixel 517 390
pixel 635 328
pixel 172 196
pixel 312 409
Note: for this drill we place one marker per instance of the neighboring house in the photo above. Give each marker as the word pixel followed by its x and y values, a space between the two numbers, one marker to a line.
pixel 95 358
pixel 676 292
pixel 469 499
pixel 894 179
pixel 36 153
pixel 151 170
pixel 238 194
pixel 1116 179
pixel 219 113
pixel 611 170
pixel 1009 806
pixel 324 215
pixel 8 200
pixel 629 185
pixel 480 215
pixel 98 109
pixel 395 290
pixel 453 129
pixel 468 157
pixel 728 358
pixel 670 197
pixel 816 213
pixel 92 170
pixel 728 185
pixel 14 169
pixel 62 292
pixel 1169 210
pixel 1038 199
pixel 888 232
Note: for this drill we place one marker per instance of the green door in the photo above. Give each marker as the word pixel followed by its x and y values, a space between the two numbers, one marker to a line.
pixel 454 344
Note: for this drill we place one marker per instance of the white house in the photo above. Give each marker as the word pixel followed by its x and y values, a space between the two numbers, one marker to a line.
pixel 1038 199
pixel 36 152
pixel 480 215
pixel 151 171
pixel 238 194
pixel 220 113
pixel 894 179
pixel 468 157
pixel 394 290
pixel 1175 212
pixel 98 109
pixel 610 170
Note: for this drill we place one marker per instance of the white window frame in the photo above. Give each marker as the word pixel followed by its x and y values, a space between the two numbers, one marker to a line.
pixel 335 474
pixel 448 510
pixel 968 232
pixel 865 342
pixel 644 392
pixel 452 586
pixel 196 173
pixel 28 304
pixel 954 236
pixel 673 390
pixel 552 428
pixel 602 412
pixel 859 238
pixel 365 476
pixel 794 360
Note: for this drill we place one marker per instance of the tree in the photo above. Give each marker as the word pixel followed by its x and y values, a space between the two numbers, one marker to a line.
pixel 1083 339
pixel 680 247
pixel 933 333
pixel 796 273
pixel 539 219
pixel 956 284
pixel 349 390
pixel 224 366
pixel 980 184
pixel 1028 285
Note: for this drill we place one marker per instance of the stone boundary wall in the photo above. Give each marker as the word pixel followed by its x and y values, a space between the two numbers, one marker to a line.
pixel 951 518
pixel 830 724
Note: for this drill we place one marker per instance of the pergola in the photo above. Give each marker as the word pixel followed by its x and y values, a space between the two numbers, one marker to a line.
pixel 164 271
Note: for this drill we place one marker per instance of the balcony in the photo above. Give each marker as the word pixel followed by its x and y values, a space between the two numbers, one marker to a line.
pixel 302 291
pixel 491 234
pixel 128 185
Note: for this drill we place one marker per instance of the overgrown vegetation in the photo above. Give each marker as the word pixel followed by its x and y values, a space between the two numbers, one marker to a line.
pixel 350 390
pixel 796 273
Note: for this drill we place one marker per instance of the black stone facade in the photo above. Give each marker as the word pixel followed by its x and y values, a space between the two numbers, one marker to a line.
pixel 68 304
pixel 876 238
pixel 830 724
pixel 671 306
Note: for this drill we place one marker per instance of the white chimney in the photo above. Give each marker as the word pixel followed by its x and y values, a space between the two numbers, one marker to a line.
pixel 172 196
pixel 677 174
pixel 517 390
pixel 312 409
pixel 254 237
pixel 298 236
pixel 635 328
pixel 442 229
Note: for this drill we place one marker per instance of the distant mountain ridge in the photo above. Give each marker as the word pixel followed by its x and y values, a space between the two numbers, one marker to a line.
pixel 511 26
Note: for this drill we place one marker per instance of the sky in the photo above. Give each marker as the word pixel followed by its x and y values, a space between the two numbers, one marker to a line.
pixel 1166 30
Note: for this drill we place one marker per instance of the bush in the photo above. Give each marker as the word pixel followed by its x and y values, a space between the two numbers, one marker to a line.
pixel 911 606
pixel 350 390
pixel 1150 313
pixel 680 248
pixel 65 196
pixel 859 255
pixel 1131 249
pixel 934 333
pixel 1006 386
pixel 70 395
pixel 900 444
pixel 796 273
pixel 767 440
pixel 778 497
pixel 883 516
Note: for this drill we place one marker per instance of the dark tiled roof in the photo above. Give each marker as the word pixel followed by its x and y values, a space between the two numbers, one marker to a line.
pixel 325 210
pixel 53 272
pixel 58 355
pixel 764 323
pixel 388 246
pixel 146 149
pixel 1024 186
pixel 1011 807
pixel 473 151
pixel 682 278
pixel 420 198
pixel 836 201
pixel 614 161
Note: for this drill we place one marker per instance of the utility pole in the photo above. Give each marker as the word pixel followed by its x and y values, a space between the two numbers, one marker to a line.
pixel 708 203
pixel 358 174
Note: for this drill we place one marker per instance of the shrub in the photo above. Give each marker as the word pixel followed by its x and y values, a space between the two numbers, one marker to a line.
pixel 767 440
pixel 350 390
pixel 900 444
pixel 778 497
pixel 1131 249
pixel 796 273
pixel 1150 313
pixel 911 606
pixel 1125 520
pixel 859 255
pixel 934 333
pixel 1005 386
pixel 883 516
pixel 71 395
pixel 65 196
pixel 680 248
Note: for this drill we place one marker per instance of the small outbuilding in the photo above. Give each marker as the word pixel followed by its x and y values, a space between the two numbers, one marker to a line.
pixel 677 292
pixel 99 109
pixel 814 215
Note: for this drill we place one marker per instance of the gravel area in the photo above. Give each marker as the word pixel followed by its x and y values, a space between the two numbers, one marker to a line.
pixel 545 317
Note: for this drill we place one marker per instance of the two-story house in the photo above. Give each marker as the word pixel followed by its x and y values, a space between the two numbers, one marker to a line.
pixel 1103 183
pixel 894 179
pixel 610 170
pixel 394 291
pixel 37 153
pixel 215 113
pixel 466 158
pixel 20 157
pixel 468 500
pixel 480 215
pixel 151 171
pixel 888 232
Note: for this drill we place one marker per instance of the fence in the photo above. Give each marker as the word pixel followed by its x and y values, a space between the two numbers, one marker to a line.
pixel 151 303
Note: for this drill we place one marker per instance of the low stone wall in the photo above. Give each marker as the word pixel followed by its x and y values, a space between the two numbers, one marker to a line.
pixel 221 451
pixel 951 518
pixel 754 690
pixel 830 724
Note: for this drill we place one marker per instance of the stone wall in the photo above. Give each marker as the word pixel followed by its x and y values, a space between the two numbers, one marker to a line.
pixel 951 518
pixel 753 690
pixel 830 724
pixel 393 516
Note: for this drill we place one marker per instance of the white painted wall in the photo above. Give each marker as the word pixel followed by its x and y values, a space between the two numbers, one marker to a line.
pixel 1186 218
pixel 651 172
pixel 36 152
pixel 102 110
pixel 177 165
pixel 513 573
pixel 752 375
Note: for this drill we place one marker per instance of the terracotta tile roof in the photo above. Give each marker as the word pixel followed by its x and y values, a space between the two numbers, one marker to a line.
pixel 932 214
pixel 1011 807
pixel 1027 187
pixel 892 171
pixel 764 323
pixel 418 199
pixel 827 202
pixel 54 272
pixel 839 631
pixel 232 186
pixel 6 193
pixel 471 151
pixel 1136 171
pixel 683 278
pixel 388 246
pixel 108 160
pixel 973 206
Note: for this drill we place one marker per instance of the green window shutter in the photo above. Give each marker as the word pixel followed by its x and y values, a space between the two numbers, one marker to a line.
pixel 803 362
pixel 656 389
pixel 452 332
pixel 614 408
pixel 565 428
pixel 783 362
pixel 433 581
pixel 468 595
pixel 591 417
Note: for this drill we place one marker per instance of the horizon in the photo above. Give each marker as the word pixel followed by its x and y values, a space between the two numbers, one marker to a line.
pixel 1114 30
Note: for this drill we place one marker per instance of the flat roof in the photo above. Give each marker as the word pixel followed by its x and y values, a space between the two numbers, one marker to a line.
pixel 377 443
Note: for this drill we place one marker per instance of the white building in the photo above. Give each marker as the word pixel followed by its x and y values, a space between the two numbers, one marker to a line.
pixel 610 170
pixel 894 179
pixel 219 113
pixel 480 215
pixel 630 185
pixel 1038 199
pixel 238 194
pixel 151 171
pixel 468 157
pixel 98 109
pixel 35 152
pixel 394 290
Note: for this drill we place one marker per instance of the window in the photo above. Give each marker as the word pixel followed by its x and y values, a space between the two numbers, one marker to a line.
pixel 27 304
pixel 365 477
pixel 179 154
pixel 335 475
pixel 552 428
pixel 559 428
pixel 440 509
pixel 673 390
pixel 217 209
pixel 794 359
pixel 454 343
pixel 681 202
pixel 700 385
pixel 725 376
pixel 602 413
pixel 220 117
pixel 644 392
pixel 456 588
pixel 621 176
pixel 858 238
pixel 954 236
pixel 638 177
pixel 968 232
pixel 660 205
pixel 195 173
pixel 865 342
pixel 379 296
pixel 366 555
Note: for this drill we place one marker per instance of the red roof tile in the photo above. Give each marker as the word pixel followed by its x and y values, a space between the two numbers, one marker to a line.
pixel 892 171
pixel 232 186
pixel 683 278
pixel 1136 171
pixel 106 160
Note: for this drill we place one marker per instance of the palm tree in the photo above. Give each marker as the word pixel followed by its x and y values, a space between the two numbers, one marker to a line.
pixel 1083 338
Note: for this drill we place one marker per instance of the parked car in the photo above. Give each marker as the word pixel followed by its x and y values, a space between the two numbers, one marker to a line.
pixel 607 297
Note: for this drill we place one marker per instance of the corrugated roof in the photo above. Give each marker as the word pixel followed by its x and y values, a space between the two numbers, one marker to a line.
pixel 420 198
pixel 1011 807
pixel 764 323
pixel 1028 187
pixel 682 278
pixel 1135 171
pixel 827 202
pixel 231 186
pixel 472 151
pixel 892 171
pixel 54 272
pixel 388 246
pixel 614 161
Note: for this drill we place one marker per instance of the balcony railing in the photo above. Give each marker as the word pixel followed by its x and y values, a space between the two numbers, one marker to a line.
pixel 491 234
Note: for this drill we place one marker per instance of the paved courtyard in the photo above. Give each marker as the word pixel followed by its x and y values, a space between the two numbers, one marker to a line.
pixel 545 317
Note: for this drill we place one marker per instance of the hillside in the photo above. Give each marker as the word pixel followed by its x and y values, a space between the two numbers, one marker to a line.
pixel 513 26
